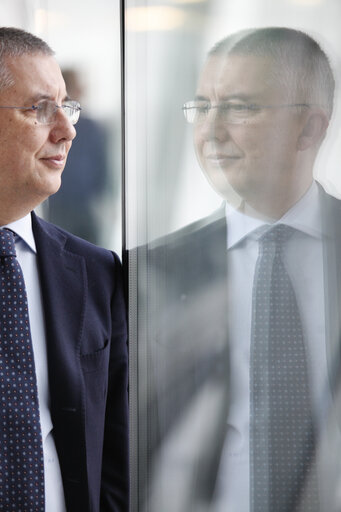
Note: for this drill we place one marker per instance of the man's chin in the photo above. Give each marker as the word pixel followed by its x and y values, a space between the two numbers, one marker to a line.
pixel 50 187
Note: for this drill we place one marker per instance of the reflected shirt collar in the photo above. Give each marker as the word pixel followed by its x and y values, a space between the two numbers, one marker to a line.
pixel 303 216
pixel 23 228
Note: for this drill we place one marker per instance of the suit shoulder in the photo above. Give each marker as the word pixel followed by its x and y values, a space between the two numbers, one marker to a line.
pixel 193 233
pixel 73 243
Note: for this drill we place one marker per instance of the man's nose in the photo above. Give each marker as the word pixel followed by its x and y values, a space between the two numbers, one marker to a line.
pixel 62 129
pixel 213 126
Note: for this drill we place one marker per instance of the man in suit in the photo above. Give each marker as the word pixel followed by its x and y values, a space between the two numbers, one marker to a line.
pixel 75 304
pixel 261 111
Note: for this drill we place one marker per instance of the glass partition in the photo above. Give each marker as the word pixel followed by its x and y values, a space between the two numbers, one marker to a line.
pixel 220 153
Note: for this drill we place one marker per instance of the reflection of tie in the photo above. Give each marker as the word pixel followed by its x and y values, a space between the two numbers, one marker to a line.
pixel 21 455
pixel 282 470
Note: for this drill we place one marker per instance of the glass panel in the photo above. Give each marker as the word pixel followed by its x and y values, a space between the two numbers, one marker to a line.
pixel 234 333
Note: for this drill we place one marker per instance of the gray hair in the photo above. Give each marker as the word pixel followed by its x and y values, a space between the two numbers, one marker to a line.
pixel 15 42
pixel 300 64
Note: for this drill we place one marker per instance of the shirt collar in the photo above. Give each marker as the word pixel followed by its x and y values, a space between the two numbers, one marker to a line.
pixel 23 228
pixel 303 216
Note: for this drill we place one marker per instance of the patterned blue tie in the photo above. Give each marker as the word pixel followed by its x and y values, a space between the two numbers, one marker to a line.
pixel 282 445
pixel 21 454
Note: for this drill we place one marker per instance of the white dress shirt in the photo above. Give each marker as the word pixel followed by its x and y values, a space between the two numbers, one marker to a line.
pixel 26 254
pixel 303 259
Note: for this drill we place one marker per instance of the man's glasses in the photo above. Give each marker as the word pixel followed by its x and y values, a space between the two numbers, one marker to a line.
pixel 230 113
pixel 46 110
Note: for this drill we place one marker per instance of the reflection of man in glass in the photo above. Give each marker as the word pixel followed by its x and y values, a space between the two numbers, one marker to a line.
pixel 261 111
pixel 261 430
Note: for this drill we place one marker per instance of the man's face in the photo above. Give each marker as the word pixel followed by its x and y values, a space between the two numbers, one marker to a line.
pixel 33 155
pixel 257 158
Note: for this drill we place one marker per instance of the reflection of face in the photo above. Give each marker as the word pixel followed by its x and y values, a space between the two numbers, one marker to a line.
pixel 32 155
pixel 257 157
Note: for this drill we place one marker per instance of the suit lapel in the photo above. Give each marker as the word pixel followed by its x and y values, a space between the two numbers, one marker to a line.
pixel 63 284
pixel 330 440
pixel 63 281
pixel 331 228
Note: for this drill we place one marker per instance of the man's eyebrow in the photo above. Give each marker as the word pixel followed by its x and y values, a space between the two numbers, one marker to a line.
pixel 41 97
pixel 237 96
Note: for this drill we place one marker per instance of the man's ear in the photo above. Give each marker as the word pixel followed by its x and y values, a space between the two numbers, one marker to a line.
pixel 313 131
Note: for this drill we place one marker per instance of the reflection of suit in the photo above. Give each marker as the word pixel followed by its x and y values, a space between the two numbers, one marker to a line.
pixel 87 365
pixel 184 306
pixel 188 323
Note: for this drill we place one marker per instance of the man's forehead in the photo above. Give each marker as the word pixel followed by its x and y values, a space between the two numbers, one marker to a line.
pixel 36 75
pixel 236 75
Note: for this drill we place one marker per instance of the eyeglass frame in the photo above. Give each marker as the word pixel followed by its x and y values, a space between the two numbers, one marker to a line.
pixel 72 104
pixel 247 107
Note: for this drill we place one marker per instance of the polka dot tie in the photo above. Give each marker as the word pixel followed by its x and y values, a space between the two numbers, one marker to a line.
pixel 21 454
pixel 282 467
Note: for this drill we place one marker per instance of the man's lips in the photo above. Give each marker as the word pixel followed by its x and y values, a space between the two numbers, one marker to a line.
pixel 219 157
pixel 55 160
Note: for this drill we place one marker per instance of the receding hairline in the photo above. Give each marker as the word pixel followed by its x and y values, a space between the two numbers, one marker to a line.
pixel 266 41
pixel 14 43
pixel 296 57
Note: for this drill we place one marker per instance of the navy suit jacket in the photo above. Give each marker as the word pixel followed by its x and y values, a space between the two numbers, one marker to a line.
pixel 86 336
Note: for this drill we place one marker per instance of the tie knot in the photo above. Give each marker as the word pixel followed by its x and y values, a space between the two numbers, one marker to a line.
pixel 273 241
pixel 278 235
pixel 7 243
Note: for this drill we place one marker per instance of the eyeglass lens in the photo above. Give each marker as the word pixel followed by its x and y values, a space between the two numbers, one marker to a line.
pixel 47 111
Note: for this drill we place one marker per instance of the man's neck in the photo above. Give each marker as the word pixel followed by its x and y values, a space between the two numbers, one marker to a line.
pixel 273 206
pixel 12 214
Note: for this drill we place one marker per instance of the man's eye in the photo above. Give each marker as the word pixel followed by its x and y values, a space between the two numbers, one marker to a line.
pixel 236 107
pixel 34 108
pixel 202 107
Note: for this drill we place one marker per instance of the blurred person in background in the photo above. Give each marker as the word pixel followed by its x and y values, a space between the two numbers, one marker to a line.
pixel 245 332
pixel 75 205
pixel 63 353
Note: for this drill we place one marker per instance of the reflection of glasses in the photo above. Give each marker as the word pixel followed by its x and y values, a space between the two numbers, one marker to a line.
pixel 231 113
pixel 46 111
